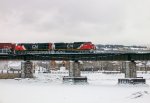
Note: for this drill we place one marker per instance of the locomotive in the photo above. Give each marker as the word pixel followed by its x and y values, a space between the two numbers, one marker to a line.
pixel 75 47
pixel 7 47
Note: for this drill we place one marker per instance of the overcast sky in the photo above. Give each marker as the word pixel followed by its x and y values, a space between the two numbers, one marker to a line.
pixel 100 21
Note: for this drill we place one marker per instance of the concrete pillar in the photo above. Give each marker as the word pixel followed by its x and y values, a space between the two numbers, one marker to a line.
pixel 71 70
pixel 130 71
pixel 27 69
pixel 74 70
pixel 77 67
pixel 130 75
pixel 74 73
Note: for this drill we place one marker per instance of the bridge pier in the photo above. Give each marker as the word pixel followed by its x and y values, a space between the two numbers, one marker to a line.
pixel 74 73
pixel 26 69
pixel 130 74
pixel 130 71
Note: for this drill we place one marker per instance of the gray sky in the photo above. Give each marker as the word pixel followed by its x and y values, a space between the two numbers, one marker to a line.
pixel 100 21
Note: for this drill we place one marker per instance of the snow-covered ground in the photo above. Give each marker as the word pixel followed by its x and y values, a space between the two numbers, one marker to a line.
pixel 49 88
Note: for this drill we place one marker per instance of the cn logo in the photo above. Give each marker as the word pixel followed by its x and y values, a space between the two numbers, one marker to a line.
pixel 34 46
pixel 70 46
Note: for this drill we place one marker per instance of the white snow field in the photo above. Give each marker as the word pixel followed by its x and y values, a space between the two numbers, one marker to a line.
pixel 49 88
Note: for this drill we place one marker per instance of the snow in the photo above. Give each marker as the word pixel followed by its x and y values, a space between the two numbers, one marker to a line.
pixel 49 88
pixel 14 65
pixel 62 68
pixel 3 65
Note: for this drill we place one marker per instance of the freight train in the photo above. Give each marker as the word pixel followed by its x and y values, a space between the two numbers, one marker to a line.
pixel 20 48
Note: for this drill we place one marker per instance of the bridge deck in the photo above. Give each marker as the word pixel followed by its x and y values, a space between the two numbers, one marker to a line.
pixel 78 56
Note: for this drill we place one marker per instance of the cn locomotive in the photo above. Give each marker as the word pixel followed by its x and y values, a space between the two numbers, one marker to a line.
pixel 7 47
pixel 75 47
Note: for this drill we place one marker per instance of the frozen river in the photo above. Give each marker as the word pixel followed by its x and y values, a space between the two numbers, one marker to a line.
pixel 48 88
